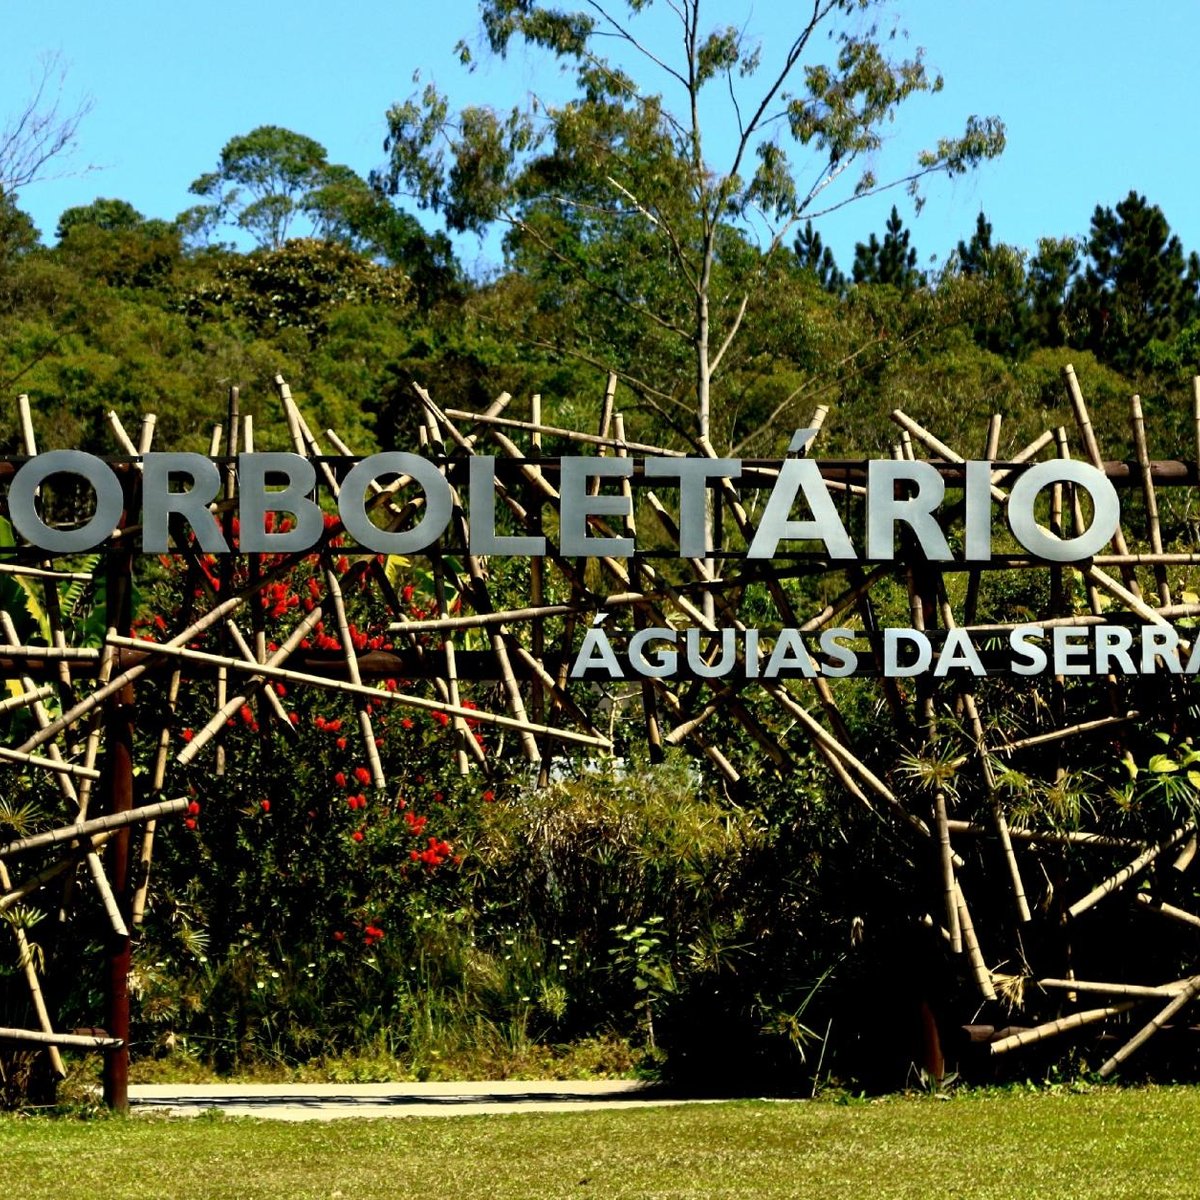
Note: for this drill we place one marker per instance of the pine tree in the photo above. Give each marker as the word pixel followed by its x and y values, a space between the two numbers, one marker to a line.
pixel 815 256
pixel 999 315
pixel 891 261
pixel 1138 287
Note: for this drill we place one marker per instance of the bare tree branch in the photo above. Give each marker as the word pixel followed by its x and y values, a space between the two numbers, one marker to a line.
pixel 622 32
pixel 42 130
pixel 737 324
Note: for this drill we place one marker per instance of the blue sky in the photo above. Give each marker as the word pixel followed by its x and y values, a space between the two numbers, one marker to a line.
pixel 1096 96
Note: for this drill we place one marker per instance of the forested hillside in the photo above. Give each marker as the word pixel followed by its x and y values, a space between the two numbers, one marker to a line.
pixel 125 313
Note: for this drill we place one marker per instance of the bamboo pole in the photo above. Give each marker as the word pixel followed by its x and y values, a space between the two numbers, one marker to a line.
pixel 654 734
pixel 508 680
pixel 537 593
pixel 568 435
pixel 118 431
pixel 991 449
pixel 1184 859
pixel 480 598
pixel 383 697
pixel 29 969
pixel 989 779
pixel 306 446
pixel 43 573
pixel 365 725
pixel 49 586
pixel 378 572
pixel 82 829
pixel 1118 880
pixel 983 977
pixel 31 696
pixel 1152 1026
pixel 1064 452
pixel 1130 990
pixel 1084 421
pixel 72 1040
pixel 34 882
pixel 79 801
pixel 48 764
pixel 1179 915
pixel 1063 837
pixel 1154 528
pixel 107 896
pixel 1039 1033
pixel 1069 731
pixel 1196 420
pixel 861 771
pixel 949 887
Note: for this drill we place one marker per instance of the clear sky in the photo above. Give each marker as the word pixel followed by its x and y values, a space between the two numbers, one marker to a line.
pixel 1098 97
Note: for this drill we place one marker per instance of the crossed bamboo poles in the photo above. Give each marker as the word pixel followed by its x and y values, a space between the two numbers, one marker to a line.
pixel 671 714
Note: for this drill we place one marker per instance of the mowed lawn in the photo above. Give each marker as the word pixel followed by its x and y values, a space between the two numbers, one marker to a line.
pixel 1110 1143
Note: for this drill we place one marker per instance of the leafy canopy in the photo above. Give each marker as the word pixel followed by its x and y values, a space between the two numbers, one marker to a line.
pixel 625 196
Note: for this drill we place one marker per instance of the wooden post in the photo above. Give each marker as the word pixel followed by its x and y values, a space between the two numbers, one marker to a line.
pixel 118 786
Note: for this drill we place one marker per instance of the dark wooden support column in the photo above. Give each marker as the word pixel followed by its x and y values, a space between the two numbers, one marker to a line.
pixel 117 788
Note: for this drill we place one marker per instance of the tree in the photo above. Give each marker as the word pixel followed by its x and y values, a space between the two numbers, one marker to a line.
pixel 111 240
pixel 624 195
pixel 1052 271
pixel 1138 286
pixel 262 183
pixel 41 130
pixel 891 261
pixel 995 281
pixel 109 215
pixel 816 257
pixel 275 184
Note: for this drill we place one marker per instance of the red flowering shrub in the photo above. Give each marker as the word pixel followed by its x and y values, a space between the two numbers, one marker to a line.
pixel 338 863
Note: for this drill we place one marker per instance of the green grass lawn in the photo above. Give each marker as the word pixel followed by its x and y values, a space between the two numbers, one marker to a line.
pixel 1109 1143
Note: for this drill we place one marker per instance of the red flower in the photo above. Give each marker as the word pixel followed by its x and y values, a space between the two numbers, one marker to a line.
pixel 190 823
pixel 188 734
pixel 339 936
pixel 265 805
pixel 362 774
pixel 489 796
pixel 406 722
pixel 340 779
pixel 357 835
pixel 341 743
pixel 193 809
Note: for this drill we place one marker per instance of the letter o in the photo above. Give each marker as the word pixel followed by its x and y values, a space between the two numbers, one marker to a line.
pixel 110 501
pixel 383 541
pixel 1035 539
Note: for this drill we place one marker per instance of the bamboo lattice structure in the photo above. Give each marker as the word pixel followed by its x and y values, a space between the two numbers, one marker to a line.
pixel 955 809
